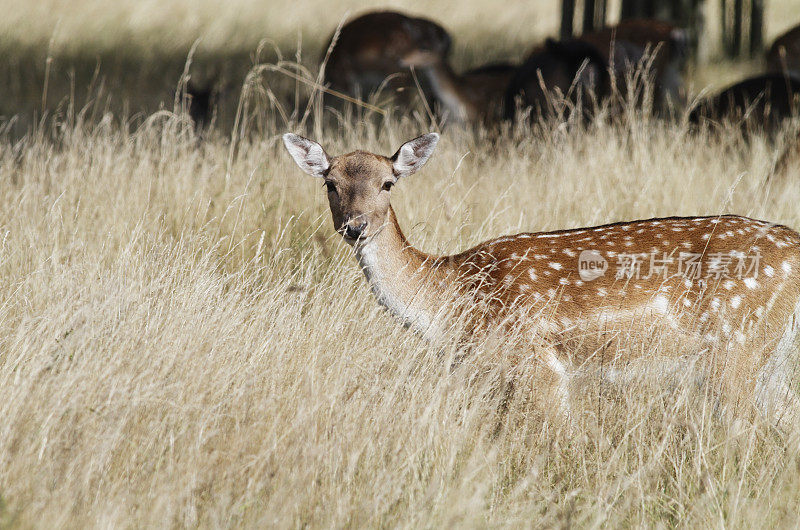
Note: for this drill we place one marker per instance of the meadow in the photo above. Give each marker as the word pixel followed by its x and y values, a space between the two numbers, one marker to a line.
pixel 185 341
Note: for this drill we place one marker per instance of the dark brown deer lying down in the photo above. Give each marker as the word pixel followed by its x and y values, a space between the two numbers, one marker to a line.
pixel 784 54
pixel 573 68
pixel 623 46
pixel 371 47
pixel 475 96
pixel 760 102
pixel 717 297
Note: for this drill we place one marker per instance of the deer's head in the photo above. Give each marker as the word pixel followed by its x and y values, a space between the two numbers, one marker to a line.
pixel 359 183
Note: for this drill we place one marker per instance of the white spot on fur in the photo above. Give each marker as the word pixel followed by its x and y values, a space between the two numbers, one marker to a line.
pixel 555 265
pixel 751 283
pixel 736 301
pixel 661 304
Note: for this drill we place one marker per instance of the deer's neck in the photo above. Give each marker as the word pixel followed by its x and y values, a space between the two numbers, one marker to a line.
pixel 407 282
pixel 447 87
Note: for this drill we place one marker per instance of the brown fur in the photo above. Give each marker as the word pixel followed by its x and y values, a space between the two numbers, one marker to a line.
pixel 370 48
pixel 667 43
pixel 475 96
pixel 784 54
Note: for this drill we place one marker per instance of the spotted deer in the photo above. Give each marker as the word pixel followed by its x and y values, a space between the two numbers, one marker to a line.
pixel 717 295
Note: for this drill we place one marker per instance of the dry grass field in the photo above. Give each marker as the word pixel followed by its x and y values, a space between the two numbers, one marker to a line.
pixel 184 341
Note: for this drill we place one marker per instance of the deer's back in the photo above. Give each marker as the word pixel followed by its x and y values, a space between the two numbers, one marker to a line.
pixel 712 278
pixel 788 44
pixel 372 46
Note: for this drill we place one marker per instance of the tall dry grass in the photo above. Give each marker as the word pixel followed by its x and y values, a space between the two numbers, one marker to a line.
pixel 185 342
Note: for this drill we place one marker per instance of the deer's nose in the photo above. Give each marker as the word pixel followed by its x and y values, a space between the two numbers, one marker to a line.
pixel 354 231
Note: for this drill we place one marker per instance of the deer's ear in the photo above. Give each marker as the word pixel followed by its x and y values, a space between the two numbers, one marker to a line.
pixel 310 156
pixel 413 154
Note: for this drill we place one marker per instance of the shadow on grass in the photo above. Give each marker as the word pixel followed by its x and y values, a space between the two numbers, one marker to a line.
pixel 120 81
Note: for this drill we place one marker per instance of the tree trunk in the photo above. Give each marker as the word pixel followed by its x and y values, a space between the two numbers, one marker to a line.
pixel 567 16
pixel 725 24
pixel 588 15
pixel 736 37
pixel 756 27
pixel 627 9
pixel 600 14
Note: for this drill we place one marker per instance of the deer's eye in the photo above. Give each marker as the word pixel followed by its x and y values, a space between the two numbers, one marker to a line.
pixel 387 185
pixel 330 186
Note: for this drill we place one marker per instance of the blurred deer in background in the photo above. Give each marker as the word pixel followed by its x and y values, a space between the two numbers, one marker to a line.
pixel 370 49
pixel 760 103
pixel 201 102
pixel 784 54
pixel 720 297
pixel 664 47
pixel 475 96
pixel 574 70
